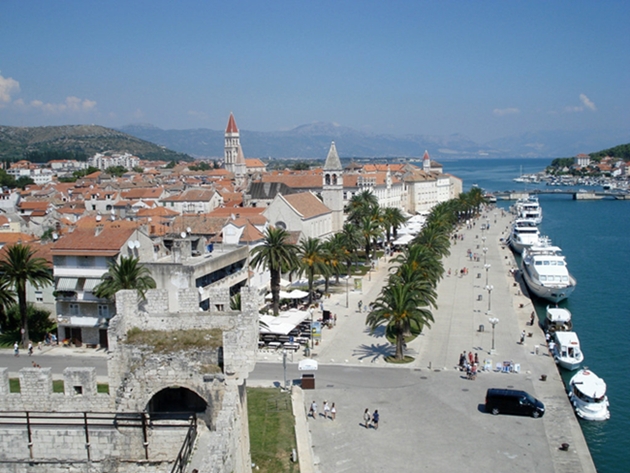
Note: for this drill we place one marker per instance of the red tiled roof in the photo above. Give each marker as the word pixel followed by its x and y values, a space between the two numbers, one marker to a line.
pixel 231 126
pixel 84 241
pixel 306 204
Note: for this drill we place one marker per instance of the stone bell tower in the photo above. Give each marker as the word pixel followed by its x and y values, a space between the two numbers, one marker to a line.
pixel 332 187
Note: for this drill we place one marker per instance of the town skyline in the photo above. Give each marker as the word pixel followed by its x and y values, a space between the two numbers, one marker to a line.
pixel 484 70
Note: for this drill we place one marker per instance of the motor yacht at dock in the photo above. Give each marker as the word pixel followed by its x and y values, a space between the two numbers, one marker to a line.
pixel 566 350
pixel 524 234
pixel 587 393
pixel 546 274
pixel 529 208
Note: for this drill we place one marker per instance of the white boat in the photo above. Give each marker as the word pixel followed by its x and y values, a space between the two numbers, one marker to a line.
pixel 587 393
pixel 524 234
pixel 546 274
pixel 529 209
pixel 566 350
pixel 558 318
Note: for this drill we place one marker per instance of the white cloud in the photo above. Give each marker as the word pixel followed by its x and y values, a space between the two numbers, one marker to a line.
pixel 198 115
pixel 587 102
pixel 71 104
pixel 575 109
pixel 505 111
pixel 8 87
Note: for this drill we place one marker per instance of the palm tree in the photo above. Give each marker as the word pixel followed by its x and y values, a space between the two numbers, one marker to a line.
pixel 311 261
pixel 434 238
pixel 19 266
pixel 370 230
pixel 278 256
pixel 421 261
pixel 334 257
pixel 127 273
pixel 361 205
pixel 394 218
pixel 7 299
pixel 401 310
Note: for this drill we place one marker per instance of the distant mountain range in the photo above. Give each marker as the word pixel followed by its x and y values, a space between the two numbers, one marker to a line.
pixel 312 142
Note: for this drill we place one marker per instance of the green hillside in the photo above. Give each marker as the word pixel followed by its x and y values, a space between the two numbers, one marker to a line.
pixel 75 142
pixel 621 152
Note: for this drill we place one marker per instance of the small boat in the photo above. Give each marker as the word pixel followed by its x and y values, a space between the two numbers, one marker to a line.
pixel 545 272
pixel 566 350
pixel 587 393
pixel 558 319
pixel 524 234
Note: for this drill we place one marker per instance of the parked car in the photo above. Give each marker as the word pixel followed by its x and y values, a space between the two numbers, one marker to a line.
pixel 511 401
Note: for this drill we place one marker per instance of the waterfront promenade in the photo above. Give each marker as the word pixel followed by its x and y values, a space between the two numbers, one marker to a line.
pixel 432 418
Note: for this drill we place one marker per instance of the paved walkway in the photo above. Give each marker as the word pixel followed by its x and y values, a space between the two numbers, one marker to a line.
pixel 433 419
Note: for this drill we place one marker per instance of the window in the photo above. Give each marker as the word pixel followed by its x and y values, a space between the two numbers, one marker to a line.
pixel 74 309
pixel 103 310
pixel 39 297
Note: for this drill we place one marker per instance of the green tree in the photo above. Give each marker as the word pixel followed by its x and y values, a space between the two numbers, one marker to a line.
pixel 128 273
pixel 117 171
pixel 39 323
pixel 138 169
pixel 401 310
pixel 370 230
pixel 19 266
pixel 435 239
pixel 312 262
pixel 393 219
pixel 24 181
pixel 278 256
pixel 361 205
pixel 7 299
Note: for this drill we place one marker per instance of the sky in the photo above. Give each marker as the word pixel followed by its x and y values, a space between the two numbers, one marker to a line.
pixel 485 69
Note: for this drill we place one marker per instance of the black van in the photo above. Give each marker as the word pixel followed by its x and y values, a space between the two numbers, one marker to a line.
pixel 510 401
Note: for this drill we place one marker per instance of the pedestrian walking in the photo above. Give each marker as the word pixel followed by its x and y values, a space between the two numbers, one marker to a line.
pixel 16 349
pixel 375 419
pixel 30 348
pixel 333 411
pixel 326 410
pixel 366 418
pixel 531 319
pixel 313 410
pixel 522 337
pixel 470 358
pixel 476 358
pixel 360 305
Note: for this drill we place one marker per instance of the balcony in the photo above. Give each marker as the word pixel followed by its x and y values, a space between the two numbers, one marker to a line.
pixel 79 272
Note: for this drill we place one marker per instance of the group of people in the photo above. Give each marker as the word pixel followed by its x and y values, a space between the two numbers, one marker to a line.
pixel 330 411
pixel 469 363
pixel 371 420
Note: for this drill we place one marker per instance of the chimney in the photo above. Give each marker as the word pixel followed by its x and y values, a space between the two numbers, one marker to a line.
pixel 98 229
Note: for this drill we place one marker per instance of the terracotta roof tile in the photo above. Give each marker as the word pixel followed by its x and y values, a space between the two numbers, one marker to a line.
pixel 307 204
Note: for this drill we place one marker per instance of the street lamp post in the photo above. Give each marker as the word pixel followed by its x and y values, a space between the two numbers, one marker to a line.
pixel 485 251
pixel 347 291
pixel 489 289
pixel 493 321
pixel 311 310
pixel 487 268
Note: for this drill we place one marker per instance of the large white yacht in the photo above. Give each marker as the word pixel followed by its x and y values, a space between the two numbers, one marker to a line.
pixel 524 234
pixel 587 393
pixel 546 274
pixel 566 350
pixel 529 208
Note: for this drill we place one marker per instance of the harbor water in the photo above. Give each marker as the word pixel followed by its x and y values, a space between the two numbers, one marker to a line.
pixel 594 237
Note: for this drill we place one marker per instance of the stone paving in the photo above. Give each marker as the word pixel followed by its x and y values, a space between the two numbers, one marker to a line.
pixel 432 417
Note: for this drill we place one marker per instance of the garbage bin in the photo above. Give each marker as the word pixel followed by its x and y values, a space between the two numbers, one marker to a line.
pixel 308 381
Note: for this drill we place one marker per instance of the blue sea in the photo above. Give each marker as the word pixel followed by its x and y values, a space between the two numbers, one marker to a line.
pixel 594 237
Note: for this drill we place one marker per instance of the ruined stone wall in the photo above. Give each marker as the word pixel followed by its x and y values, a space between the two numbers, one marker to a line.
pixel 136 375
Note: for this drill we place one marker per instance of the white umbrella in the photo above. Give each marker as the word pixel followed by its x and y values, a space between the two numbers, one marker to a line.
pixel 297 294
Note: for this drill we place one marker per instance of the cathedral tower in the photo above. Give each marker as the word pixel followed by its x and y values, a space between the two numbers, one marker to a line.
pixel 233 153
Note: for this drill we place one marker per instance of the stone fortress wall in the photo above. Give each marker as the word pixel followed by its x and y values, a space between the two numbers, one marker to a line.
pixel 136 375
